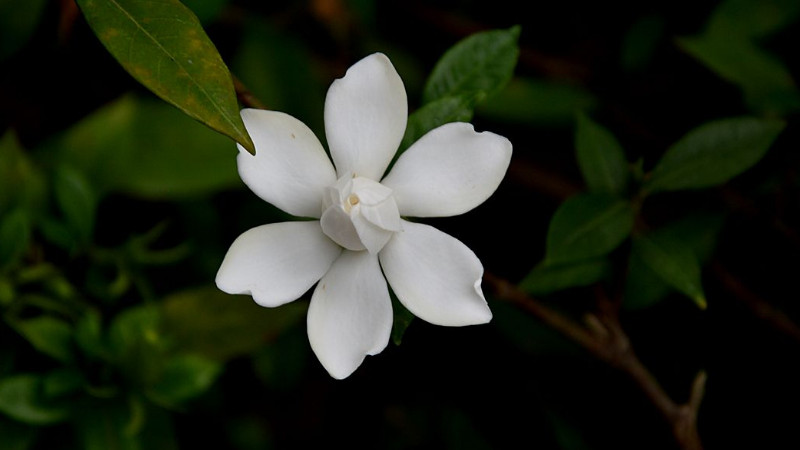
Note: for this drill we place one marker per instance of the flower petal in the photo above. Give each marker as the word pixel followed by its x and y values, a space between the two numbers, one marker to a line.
pixel 277 263
pixel 435 276
pixel 337 224
pixel 365 117
pixel 350 315
pixel 290 168
pixel 448 171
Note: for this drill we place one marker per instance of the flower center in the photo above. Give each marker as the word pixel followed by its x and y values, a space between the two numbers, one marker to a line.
pixel 359 214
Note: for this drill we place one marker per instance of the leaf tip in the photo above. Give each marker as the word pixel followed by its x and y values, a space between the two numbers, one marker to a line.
pixel 701 302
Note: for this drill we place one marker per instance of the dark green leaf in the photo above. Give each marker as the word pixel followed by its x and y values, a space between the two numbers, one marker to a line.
pixel 435 114
pixel 89 336
pixel 77 202
pixel 162 44
pixel 600 157
pixel 211 323
pixel 21 183
pixel 674 262
pixel 477 66
pixel 21 399
pixel 136 344
pixel 280 364
pixel 158 152
pixel 640 42
pixel 714 153
pixel 587 226
pixel 206 10
pixel 402 319
pixel 18 21
pixel 545 279
pixel 537 102
pixel 766 82
pixel 752 18
pixel 15 234
pixel 62 382
pixel 699 232
pixel 184 377
pixel 49 335
pixel 124 424
pixel 15 435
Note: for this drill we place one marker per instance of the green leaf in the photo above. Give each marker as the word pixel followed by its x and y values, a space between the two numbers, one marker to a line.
pixel 478 66
pixel 766 82
pixel 89 336
pixel 545 279
pixel 587 226
pixel 18 21
pixel 641 41
pixel 537 102
pixel 674 262
pixel 20 399
pixel 211 323
pixel 136 344
pixel 600 157
pixel 15 235
pixel 158 152
pixel 699 232
pixel 16 436
pixel 184 377
pixel 162 44
pixel 402 319
pixel 713 153
pixel 752 18
pixel 21 183
pixel 77 202
pixel 62 382
pixel 124 425
pixel 49 335
pixel 435 114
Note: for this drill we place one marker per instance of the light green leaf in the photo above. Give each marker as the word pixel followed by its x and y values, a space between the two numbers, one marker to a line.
pixel 18 21
pixel 478 66
pixel 162 44
pixel 713 153
pixel 211 323
pixel 537 102
pixel 433 115
pixel 587 226
pixel 184 377
pixel 158 152
pixel 545 279
pixel 20 399
pixel 15 235
pixel 600 157
pixel 674 262
pixel 49 335
pixel 77 202
pixel 699 232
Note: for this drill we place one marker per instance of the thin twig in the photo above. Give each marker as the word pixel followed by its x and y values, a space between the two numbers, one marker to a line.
pixel 607 341
pixel 245 96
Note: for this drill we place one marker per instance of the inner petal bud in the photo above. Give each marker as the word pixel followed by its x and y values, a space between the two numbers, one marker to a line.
pixel 359 214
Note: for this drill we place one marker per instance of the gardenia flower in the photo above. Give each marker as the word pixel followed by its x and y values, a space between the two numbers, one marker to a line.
pixel 361 235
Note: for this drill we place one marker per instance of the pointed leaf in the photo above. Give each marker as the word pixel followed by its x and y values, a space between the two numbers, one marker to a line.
pixel 432 115
pixel 162 44
pixel 545 279
pixel 48 335
pixel 714 153
pixel 587 226
pixel 21 399
pixel 674 262
pixel 478 66
pixel 600 157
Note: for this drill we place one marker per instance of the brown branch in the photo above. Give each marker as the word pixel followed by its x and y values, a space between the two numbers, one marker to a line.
pixel 760 307
pixel 606 340
pixel 246 98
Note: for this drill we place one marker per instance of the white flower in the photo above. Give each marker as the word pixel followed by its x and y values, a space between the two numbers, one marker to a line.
pixel 360 235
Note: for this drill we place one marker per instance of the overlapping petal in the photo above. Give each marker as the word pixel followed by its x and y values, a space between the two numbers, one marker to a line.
pixel 365 117
pixel 448 171
pixel 350 315
pixel 435 276
pixel 290 168
pixel 277 263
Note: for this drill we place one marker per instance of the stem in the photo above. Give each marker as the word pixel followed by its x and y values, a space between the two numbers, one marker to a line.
pixel 606 340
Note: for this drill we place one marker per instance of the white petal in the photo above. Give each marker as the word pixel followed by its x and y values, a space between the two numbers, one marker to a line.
pixel 350 315
pixel 435 276
pixel 277 263
pixel 365 117
pixel 372 236
pixel 448 171
pixel 336 223
pixel 290 168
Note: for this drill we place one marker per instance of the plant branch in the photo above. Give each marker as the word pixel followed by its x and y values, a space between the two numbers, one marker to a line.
pixel 604 338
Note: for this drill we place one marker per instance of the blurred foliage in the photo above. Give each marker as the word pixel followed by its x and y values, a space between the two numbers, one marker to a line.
pixel 650 145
